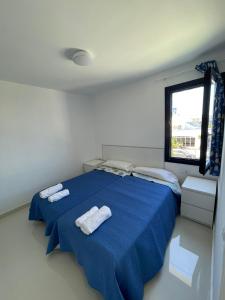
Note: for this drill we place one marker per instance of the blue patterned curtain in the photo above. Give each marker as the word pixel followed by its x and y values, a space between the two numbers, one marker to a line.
pixel 218 118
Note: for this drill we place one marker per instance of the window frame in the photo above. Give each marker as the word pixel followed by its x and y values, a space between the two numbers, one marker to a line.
pixel 168 116
pixel 204 166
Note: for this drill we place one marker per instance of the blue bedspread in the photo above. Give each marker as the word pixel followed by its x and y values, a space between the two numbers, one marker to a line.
pixel 128 249
pixel 80 187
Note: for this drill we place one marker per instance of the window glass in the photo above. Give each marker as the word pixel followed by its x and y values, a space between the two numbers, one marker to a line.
pixel 186 122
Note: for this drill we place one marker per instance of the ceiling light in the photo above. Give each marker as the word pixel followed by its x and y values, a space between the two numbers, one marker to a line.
pixel 82 58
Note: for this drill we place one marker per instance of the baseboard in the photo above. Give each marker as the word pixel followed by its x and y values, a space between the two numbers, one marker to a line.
pixel 8 212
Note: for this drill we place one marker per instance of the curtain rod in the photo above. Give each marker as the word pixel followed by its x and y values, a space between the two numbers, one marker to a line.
pixel 164 78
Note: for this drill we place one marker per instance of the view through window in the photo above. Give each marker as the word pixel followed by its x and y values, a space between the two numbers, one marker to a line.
pixel 186 123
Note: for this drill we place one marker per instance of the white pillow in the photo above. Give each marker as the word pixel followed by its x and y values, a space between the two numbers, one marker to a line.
pixel 162 174
pixel 118 164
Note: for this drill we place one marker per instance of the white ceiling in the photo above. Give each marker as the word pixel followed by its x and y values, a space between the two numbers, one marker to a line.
pixel 129 38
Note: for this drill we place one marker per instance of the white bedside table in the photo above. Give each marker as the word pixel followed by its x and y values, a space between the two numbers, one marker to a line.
pixel 198 199
pixel 92 164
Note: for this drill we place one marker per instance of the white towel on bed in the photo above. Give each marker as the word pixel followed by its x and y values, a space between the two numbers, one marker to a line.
pixel 51 190
pixel 94 221
pixel 79 221
pixel 59 195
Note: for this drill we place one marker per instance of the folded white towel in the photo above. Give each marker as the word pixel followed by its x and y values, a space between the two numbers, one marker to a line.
pixel 79 221
pixel 94 221
pixel 51 190
pixel 59 195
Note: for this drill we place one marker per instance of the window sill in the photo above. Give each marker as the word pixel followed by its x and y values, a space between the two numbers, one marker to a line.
pixel 194 162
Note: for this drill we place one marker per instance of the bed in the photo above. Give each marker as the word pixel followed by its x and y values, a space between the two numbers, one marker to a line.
pixel 128 249
pixel 80 187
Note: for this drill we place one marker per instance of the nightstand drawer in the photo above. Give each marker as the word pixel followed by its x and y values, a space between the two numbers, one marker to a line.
pixel 197 214
pixel 200 200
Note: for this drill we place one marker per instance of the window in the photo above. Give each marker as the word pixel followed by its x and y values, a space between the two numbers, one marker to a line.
pixel 184 107
pixel 188 121
pixel 185 141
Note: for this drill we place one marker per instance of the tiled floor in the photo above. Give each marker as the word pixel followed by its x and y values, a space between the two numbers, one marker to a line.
pixel 26 273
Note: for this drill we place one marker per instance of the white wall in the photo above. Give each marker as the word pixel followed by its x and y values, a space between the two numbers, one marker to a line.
pixel 45 135
pixel 218 242
pixel 133 114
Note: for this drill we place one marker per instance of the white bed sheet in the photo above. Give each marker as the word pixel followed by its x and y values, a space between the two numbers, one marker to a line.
pixel 114 171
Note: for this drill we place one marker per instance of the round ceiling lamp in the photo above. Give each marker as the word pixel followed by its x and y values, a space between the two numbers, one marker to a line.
pixel 82 58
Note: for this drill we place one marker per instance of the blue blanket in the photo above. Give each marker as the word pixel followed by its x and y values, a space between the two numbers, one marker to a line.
pixel 80 187
pixel 128 249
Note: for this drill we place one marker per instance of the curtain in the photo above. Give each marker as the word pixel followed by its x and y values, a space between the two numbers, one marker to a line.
pixel 218 118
